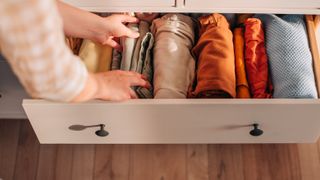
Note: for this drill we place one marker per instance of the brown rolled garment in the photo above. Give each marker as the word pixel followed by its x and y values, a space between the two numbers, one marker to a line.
pixel 74 44
pixel 216 63
pixel 174 65
pixel 313 28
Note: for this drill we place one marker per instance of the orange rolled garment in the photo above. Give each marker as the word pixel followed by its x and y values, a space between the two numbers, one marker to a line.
pixel 256 60
pixel 215 54
pixel 241 78
pixel 315 50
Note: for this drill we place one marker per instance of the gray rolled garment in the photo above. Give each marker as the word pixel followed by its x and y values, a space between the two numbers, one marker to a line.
pixel 289 56
pixel 174 66
pixel 128 45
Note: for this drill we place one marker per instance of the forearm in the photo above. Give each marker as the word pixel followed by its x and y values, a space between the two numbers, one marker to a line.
pixel 79 23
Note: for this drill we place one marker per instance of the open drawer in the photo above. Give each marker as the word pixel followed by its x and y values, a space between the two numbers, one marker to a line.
pixel 176 121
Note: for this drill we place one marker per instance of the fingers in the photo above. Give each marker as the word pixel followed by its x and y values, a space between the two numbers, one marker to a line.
pixel 129 33
pixel 129 19
pixel 133 94
pixel 113 44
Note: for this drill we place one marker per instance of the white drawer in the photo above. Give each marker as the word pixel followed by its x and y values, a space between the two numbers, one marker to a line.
pixel 177 121
pixel 11 92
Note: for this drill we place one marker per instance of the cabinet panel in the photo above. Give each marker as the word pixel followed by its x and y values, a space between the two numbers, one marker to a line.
pixel 176 121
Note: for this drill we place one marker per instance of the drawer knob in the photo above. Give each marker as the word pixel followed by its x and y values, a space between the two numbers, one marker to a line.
pixel 101 132
pixel 256 131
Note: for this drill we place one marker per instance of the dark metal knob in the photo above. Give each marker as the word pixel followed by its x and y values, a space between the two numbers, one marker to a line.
pixel 256 131
pixel 101 132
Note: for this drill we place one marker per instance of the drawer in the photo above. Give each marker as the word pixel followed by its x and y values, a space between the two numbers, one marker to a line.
pixel 176 121
pixel 12 93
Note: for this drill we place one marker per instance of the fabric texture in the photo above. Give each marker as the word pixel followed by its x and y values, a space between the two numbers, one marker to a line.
pixel 256 60
pixel 95 56
pixel 144 27
pixel 289 56
pixel 145 65
pixel 174 65
pixel 315 49
pixel 128 45
pixel 241 78
pixel 33 42
pixel 74 44
pixel 147 17
pixel 216 63
pixel 116 60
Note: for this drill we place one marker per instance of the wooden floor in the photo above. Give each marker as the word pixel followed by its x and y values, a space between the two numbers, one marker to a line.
pixel 23 158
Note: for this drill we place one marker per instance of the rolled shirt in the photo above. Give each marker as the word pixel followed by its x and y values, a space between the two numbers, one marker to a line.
pixel 116 60
pixel 145 65
pixel 289 56
pixel 174 65
pixel 256 60
pixel 128 45
pixel 144 27
pixel 315 49
pixel 216 63
pixel 242 86
pixel 95 56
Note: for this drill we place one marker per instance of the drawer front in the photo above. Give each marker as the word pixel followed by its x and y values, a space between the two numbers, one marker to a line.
pixel 11 93
pixel 121 3
pixel 176 121
pixel 256 4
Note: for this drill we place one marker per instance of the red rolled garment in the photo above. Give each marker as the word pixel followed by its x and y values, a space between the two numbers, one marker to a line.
pixel 215 54
pixel 256 60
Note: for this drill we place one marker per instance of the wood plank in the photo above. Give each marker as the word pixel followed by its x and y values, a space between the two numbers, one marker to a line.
pixel 47 162
pixel 83 162
pixel 225 162
pixel 64 162
pixel 112 162
pixel 27 155
pixel 197 162
pixel 309 161
pixel 141 162
pixel 9 137
pixel 271 162
pixel 169 162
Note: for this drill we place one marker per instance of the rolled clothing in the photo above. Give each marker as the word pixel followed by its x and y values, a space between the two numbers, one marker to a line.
pixel 256 59
pixel 242 86
pixel 174 65
pixel 95 55
pixel 147 17
pixel 289 56
pixel 315 49
pixel 116 60
pixel 216 63
pixel 145 65
pixel 144 27
pixel 128 45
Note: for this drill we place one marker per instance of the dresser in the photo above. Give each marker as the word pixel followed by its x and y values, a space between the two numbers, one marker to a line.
pixel 173 121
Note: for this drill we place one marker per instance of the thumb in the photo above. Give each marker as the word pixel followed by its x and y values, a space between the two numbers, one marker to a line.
pixel 129 32
pixel 129 19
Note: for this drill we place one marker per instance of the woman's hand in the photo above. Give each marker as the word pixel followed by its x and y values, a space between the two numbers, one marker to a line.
pixel 112 85
pixel 114 26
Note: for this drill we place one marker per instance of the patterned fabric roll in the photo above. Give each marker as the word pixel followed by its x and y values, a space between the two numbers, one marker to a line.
pixel 216 64
pixel 289 56
pixel 256 60
pixel 174 65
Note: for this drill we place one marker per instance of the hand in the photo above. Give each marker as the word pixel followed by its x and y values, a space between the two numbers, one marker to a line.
pixel 114 26
pixel 112 85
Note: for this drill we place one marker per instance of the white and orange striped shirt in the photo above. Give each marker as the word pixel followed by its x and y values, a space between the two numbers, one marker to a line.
pixel 32 40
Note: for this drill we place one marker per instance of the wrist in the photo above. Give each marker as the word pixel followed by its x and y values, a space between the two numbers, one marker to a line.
pixel 90 90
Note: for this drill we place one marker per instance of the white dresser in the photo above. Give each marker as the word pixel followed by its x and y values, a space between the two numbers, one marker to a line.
pixel 181 121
